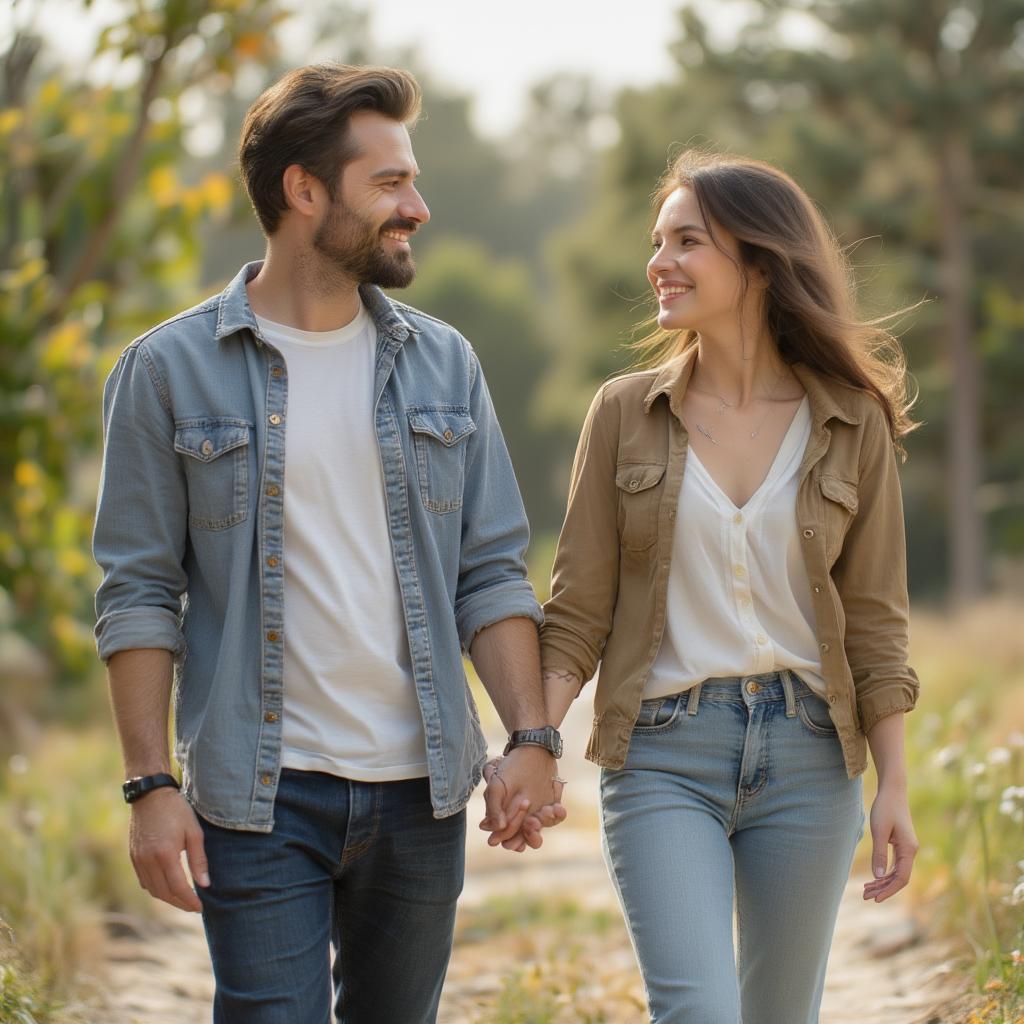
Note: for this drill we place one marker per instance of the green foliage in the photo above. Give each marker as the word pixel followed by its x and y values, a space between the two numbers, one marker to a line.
pixel 98 239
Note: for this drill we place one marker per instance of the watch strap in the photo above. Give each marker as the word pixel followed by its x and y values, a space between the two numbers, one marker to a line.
pixel 141 785
pixel 548 737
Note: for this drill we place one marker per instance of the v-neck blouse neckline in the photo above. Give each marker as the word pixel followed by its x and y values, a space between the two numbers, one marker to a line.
pixel 798 427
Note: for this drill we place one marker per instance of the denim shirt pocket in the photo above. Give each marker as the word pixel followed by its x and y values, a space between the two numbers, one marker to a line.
pixel 439 433
pixel 216 464
pixel 840 507
pixel 639 500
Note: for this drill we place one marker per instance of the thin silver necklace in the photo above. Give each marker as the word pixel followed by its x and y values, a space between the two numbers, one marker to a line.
pixel 723 405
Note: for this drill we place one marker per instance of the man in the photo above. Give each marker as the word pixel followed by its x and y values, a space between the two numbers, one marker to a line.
pixel 317 470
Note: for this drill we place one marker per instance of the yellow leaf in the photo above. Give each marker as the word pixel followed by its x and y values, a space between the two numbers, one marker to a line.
pixel 217 192
pixel 73 562
pixel 11 120
pixel 192 201
pixel 163 185
pixel 249 45
pixel 28 474
pixel 80 124
pixel 63 345
pixel 50 94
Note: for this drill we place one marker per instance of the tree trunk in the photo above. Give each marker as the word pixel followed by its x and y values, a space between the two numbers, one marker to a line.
pixel 966 528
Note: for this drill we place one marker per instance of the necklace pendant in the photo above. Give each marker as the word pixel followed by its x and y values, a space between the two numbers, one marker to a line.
pixel 707 433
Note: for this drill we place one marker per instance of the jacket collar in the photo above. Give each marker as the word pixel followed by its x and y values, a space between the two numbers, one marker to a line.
pixel 234 312
pixel 827 398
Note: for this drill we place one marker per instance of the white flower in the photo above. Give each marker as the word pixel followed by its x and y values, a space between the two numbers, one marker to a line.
pixel 947 757
pixel 1016 897
pixel 976 770
pixel 999 755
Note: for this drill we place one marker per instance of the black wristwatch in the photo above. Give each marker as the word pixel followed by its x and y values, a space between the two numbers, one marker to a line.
pixel 548 738
pixel 142 784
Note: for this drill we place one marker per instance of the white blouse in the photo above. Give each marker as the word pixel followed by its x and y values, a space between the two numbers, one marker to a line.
pixel 739 601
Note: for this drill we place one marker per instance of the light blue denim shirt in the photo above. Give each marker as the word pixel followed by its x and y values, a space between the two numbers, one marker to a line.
pixel 190 535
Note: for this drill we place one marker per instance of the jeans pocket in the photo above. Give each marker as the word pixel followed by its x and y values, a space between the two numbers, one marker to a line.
pixel 657 713
pixel 216 465
pixel 439 434
pixel 813 714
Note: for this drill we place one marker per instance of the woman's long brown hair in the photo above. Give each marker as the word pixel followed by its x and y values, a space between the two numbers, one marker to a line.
pixel 809 303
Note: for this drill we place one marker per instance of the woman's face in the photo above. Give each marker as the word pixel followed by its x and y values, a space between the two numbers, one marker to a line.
pixel 698 282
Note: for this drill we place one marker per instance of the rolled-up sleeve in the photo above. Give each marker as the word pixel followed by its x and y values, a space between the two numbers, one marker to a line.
pixel 871 578
pixel 585 576
pixel 141 516
pixel 493 583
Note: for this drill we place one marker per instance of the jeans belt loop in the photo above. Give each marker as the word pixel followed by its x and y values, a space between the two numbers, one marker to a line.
pixel 787 689
pixel 693 700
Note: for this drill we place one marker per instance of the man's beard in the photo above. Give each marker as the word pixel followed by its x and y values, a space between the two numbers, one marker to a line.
pixel 355 248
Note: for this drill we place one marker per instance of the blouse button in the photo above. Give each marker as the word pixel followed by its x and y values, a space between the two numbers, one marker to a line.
pixel 808 534
pixel 274 419
pixel 272 562
pixel 817 589
pixel 824 648
pixel 207 447
pixel 273 491
pixel 634 484
pixel 448 435
pixel 276 371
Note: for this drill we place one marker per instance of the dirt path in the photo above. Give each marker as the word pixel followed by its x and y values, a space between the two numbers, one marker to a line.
pixel 540 939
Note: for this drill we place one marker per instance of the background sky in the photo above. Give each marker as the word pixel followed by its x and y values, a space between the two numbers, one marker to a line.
pixel 491 52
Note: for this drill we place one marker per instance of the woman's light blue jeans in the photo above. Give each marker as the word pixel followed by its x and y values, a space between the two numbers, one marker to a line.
pixel 733 793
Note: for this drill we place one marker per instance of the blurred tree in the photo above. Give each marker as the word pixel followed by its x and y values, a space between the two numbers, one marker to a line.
pixel 97 240
pixel 902 121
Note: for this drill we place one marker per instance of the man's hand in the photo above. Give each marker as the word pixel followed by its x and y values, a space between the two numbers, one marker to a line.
pixel 162 826
pixel 523 796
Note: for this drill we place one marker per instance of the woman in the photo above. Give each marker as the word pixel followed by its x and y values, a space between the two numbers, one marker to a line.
pixel 733 556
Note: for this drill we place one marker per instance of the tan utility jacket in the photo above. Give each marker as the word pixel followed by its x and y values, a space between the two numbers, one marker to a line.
pixel 610 580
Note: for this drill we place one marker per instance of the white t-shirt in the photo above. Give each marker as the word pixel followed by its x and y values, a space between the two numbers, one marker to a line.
pixel 350 706
pixel 739 600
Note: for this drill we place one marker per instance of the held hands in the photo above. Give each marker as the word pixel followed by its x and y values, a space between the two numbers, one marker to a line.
pixel 890 826
pixel 523 795
pixel 162 825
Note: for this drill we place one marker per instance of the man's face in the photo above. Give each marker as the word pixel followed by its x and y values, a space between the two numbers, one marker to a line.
pixel 365 231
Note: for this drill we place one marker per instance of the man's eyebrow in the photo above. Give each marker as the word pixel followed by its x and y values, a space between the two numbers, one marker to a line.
pixel 395 172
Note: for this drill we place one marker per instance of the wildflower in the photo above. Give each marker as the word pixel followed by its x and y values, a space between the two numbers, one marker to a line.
pixel 999 756
pixel 1015 958
pixel 1016 898
pixel 948 757
pixel 977 770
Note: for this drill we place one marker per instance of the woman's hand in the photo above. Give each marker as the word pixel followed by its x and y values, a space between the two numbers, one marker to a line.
pixel 890 826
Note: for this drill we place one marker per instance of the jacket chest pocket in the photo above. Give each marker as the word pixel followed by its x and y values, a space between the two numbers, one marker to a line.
pixel 639 499
pixel 216 464
pixel 838 510
pixel 439 434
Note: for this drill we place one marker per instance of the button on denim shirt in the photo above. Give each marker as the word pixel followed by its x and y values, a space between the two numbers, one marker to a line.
pixel 190 535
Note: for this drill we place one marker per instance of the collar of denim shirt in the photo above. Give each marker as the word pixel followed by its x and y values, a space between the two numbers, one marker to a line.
pixel 234 312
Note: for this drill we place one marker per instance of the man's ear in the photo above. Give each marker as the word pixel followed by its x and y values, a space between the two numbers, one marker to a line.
pixel 302 192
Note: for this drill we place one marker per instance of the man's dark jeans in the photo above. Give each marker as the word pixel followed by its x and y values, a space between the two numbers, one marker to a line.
pixel 363 866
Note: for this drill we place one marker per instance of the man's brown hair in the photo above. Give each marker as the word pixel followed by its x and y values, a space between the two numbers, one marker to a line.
pixel 303 119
